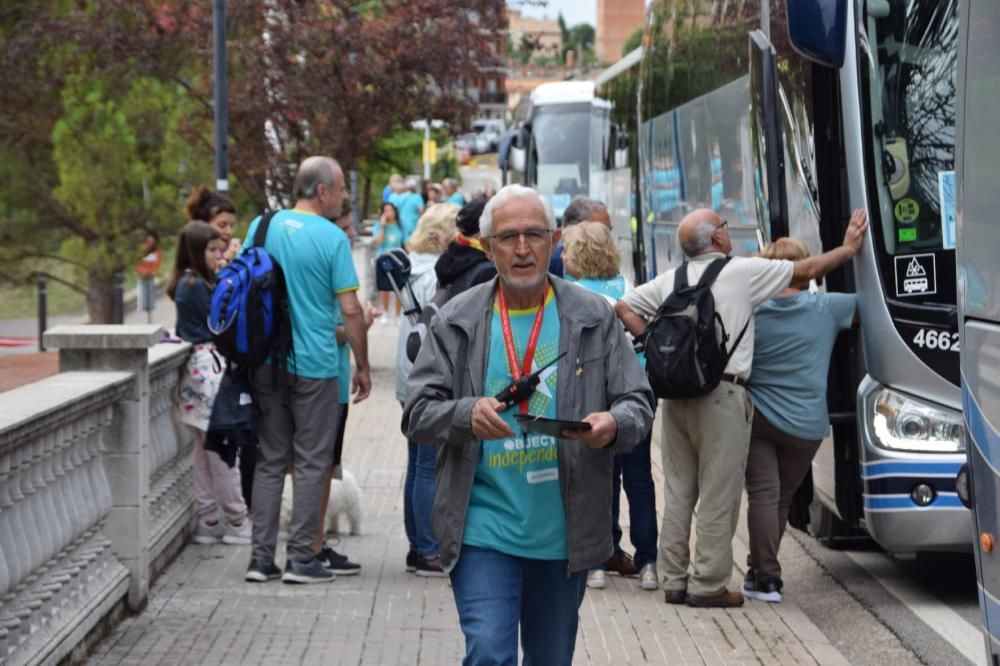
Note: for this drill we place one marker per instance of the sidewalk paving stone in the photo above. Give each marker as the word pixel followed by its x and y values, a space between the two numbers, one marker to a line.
pixel 202 611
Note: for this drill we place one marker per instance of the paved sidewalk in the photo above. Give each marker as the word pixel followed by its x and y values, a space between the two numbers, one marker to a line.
pixel 201 610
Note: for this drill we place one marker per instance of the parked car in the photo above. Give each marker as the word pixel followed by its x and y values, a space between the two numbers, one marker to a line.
pixel 490 129
pixel 474 143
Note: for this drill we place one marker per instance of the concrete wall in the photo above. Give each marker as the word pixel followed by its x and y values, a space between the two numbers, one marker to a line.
pixel 94 488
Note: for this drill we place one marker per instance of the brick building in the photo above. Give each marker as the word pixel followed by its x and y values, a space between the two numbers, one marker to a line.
pixel 616 20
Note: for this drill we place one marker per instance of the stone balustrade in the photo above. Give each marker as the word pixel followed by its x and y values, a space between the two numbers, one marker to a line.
pixel 95 488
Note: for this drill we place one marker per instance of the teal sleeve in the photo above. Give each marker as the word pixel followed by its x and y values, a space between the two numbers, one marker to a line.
pixel 842 308
pixel 343 276
pixel 248 241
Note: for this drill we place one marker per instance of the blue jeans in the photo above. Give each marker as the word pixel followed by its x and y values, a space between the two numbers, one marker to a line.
pixel 418 498
pixel 494 593
pixel 634 471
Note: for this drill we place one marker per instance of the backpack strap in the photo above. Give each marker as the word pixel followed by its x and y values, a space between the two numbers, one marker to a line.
pixel 260 235
pixel 712 272
pixel 707 278
pixel 739 338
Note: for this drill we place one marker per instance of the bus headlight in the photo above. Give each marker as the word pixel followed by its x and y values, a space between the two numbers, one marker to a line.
pixel 906 424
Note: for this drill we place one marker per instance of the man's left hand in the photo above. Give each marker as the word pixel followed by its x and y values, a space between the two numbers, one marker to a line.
pixel 361 385
pixel 603 430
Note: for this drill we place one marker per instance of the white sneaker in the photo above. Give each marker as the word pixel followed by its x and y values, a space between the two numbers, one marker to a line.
pixel 596 579
pixel 206 534
pixel 647 577
pixel 238 535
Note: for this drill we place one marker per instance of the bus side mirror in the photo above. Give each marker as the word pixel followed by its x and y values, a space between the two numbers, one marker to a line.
pixel 518 154
pixel 817 29
pixel 621 148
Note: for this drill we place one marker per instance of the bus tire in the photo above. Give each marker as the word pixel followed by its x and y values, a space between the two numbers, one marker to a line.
pixel 825 526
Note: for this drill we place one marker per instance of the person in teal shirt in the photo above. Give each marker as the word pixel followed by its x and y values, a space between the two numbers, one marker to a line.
pixel 517 475
pixel 592 260
pixel 795 334
pixel 388 235
pixel 410 206
pixel 451 193
pixel 521 515
pixel 299 411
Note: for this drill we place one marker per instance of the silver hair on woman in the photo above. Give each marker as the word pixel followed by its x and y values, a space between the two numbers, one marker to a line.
pixel 505 195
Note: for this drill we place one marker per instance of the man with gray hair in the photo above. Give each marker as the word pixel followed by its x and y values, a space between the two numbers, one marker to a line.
pixel 298 412
pixel 522 503
pixel 706 439
pixel 580 209
pixel 451 193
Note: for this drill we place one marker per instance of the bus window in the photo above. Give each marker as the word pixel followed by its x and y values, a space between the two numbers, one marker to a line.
pixel 910 76
pixel 560 159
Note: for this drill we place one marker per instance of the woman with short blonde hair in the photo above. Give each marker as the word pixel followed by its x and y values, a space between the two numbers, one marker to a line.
pixel 592 249
pixel 592 260
pixel 795 333
pixel 435 229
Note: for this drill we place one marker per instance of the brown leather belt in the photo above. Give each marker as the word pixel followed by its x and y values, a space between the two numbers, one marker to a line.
pixel 733 379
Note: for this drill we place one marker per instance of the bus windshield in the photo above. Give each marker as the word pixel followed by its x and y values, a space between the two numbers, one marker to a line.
pixel 910 74
pixel 560 152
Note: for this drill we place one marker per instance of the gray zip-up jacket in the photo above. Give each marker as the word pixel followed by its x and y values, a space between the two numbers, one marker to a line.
pixel 599 373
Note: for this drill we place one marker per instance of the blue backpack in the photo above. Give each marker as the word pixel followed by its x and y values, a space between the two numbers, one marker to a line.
pixel 249 316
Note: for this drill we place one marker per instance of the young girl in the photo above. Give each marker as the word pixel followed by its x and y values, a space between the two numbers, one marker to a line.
pixel 200 250
pixel 388 236
pixel 216 209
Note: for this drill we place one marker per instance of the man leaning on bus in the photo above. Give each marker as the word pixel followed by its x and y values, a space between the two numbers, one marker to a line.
pixel 704 451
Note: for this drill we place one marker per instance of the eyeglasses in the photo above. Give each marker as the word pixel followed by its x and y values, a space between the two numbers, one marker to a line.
pixel 725 223
pixel 510 239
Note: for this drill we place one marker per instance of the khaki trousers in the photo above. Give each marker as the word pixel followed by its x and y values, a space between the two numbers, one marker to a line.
pixel 704 454
pixel 775 468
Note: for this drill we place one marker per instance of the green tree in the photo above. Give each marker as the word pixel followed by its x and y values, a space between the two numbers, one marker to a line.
pixel 633 42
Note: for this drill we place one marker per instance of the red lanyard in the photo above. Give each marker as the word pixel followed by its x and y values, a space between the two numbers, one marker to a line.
pixel 508 341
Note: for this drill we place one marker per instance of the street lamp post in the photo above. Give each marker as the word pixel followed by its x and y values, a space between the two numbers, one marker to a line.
pixel 219 69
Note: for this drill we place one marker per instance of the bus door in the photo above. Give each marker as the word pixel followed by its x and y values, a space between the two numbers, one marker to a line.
pixel 978 246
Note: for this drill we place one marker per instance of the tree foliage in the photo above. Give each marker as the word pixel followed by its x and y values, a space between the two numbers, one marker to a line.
pixel 106 111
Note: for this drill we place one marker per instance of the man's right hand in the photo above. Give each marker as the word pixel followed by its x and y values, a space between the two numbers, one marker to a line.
pixel 854 237
pixel 486 421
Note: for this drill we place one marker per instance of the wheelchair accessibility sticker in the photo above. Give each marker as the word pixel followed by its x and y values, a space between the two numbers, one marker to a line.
pixel 916 275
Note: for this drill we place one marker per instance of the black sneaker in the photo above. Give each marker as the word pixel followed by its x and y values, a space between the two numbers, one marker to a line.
pixel 768 589
pixel 311 571
pixel 411 561
pixel 261 570
pixel 749 579
pixel 337 563
pixel 430 567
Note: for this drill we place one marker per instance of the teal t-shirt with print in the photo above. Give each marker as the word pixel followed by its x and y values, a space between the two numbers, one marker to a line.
pixel 516 505
pixel 393 238
pixel 315 256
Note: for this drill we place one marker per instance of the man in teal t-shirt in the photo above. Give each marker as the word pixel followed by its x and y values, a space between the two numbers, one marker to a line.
pixel 520 515
pixel 298 412
pixel 517 476
pixel 451 193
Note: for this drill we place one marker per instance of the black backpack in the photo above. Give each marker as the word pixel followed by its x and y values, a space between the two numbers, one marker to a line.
pixel 249 316
pixel 684 356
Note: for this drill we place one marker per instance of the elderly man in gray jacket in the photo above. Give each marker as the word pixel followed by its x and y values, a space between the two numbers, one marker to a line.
pixel 522 513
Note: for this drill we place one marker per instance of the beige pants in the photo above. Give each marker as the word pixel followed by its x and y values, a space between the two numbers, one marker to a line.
pixel 704 453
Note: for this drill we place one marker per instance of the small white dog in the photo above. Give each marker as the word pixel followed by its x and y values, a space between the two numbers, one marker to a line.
pixel 345 500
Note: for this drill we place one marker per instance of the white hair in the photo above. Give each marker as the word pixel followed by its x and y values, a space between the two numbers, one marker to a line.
pixel 506 194
pixel 700 239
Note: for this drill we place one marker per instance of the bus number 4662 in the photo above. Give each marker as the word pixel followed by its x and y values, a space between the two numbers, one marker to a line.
pixel 932 339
